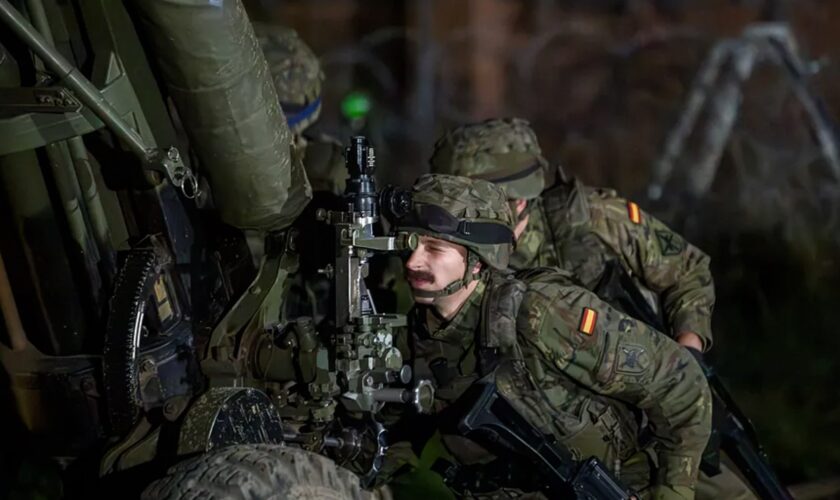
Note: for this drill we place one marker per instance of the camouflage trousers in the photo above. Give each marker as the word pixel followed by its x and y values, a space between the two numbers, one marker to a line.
pixel 728 484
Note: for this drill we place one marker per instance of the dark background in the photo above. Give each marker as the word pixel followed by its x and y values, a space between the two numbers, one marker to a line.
pixel 603 82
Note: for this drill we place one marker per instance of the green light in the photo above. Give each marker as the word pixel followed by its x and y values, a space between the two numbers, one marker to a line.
pixel 355 105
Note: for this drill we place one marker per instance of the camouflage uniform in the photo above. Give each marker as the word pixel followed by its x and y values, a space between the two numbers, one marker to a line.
pixel 588 366
pixel 586 230
pixel 583 229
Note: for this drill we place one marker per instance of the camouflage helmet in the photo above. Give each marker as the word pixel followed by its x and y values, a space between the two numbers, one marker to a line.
pixel 469 212
pixel 296 72
pixel 502 151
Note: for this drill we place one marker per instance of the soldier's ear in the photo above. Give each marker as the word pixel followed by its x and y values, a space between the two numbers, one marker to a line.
pixel 476 268
pixel 521 204
pixel 517 207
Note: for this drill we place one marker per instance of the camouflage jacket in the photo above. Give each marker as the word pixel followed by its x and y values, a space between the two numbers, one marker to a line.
pixel 582 229
pixel 589 366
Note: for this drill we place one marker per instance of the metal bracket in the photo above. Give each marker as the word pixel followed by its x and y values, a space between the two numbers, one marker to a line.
pixel 21 100
pixel 181 176
pixel 169 162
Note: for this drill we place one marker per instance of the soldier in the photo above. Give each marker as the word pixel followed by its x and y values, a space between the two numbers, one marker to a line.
pixel 581 229
pixel 588 365
pixel 594 234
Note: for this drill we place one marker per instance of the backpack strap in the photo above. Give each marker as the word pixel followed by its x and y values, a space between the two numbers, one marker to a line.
pixel 566 203
pixel 499 309
pixel 565 207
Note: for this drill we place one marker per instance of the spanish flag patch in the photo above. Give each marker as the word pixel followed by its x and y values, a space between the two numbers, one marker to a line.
pixel 588 320
pixel 634 212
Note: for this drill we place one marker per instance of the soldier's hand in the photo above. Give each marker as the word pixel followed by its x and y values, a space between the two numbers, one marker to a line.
pixel 690 339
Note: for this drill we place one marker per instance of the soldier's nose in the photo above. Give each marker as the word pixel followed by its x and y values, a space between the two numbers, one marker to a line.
pixel 414 261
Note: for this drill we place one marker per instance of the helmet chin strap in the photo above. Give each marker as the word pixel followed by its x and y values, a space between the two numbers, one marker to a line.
pixel 469 276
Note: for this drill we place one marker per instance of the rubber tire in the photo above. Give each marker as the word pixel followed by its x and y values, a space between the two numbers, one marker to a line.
pixel 133 287
pixel 257 472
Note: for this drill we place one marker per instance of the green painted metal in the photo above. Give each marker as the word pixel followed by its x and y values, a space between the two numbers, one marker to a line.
pixel 37 229
pixel 101 232
pixel 35 130
pixel 87 250
pixel 83 88
pixel 38 15
pixel 119 56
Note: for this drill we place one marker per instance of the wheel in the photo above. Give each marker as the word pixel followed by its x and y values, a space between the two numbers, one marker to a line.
pixel 123 335
pixel 257 472
pixel 143 316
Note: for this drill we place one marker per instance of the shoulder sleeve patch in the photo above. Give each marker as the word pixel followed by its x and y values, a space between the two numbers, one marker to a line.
pixel 632 359
pixel 634 213
pixel 669 243
pixel 587 321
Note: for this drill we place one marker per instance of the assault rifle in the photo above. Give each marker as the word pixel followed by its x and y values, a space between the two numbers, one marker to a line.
pixel 486 417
